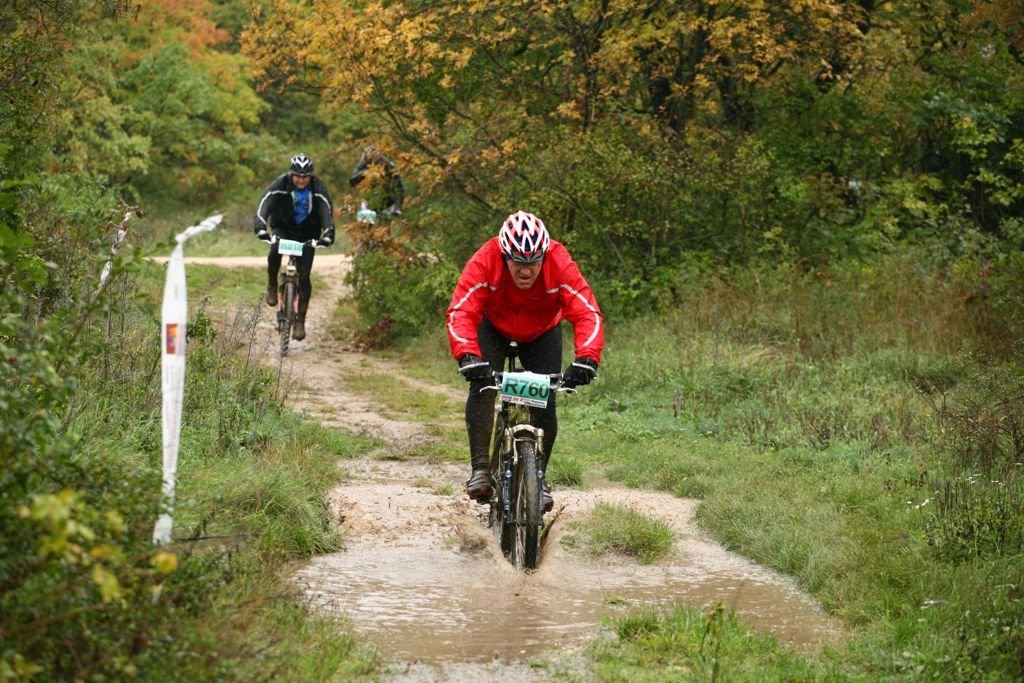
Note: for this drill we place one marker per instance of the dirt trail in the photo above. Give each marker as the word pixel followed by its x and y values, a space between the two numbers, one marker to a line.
pixel 314 366
pixel 423 578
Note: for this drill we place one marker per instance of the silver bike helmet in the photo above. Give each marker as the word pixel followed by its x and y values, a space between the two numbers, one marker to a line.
pixel 302 165
pixel 523 238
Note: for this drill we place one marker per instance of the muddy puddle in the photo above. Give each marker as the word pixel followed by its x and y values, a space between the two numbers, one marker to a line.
pixel 422 577
pixel 439 593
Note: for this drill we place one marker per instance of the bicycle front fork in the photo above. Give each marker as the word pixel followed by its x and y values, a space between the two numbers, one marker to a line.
pixel 291 274
pixel 510 457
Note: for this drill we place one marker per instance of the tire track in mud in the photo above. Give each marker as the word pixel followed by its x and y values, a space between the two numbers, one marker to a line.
pixel 423 578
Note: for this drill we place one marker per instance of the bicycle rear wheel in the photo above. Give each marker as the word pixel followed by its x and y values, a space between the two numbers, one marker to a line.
pixel 526 506
pixel 286 316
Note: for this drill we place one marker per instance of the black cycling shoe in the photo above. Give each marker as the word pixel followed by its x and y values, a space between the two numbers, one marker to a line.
pixel 479 486
pixel 271 297
pixel 546 499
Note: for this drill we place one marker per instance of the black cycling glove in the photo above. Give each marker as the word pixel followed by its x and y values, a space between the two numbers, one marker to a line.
pixel 262 234
pixel 327 240
pixel 474 367
pixel 581 372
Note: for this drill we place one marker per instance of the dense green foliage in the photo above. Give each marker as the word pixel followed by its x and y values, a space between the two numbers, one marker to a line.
pixel 661 140
pixel 83 592
pixel 843 435
pixel 98 107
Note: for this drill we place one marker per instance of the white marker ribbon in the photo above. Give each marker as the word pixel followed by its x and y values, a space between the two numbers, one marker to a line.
pixel 115 249
pixel 174 318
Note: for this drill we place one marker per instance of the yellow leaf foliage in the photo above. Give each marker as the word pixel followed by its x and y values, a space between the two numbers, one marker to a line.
pixel 164 561
pixel 472 75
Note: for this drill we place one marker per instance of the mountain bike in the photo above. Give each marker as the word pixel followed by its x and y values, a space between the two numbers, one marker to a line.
pixel 517 460
pixel 288 287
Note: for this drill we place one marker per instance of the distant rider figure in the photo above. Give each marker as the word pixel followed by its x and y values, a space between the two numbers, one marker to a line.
pixel 365 213
pixel 296 206
pixel 388 193
pixel 518 287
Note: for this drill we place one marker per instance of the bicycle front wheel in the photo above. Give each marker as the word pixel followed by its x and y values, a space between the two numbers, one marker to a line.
pixel 502 527
pixel 286 316
pixel 526 506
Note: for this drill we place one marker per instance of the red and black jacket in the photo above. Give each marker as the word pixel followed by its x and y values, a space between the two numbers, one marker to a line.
pixel 486 288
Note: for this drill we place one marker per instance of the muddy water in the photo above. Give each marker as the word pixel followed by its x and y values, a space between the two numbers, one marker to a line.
pixel 423 578
pixel 453 598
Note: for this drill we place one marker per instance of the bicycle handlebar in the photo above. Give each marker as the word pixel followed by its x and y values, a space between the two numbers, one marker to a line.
pixel 315 243
pixel 555 378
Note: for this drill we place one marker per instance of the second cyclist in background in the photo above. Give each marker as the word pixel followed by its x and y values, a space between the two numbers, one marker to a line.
pixel 518 287
pixel 383 188
pixel 295 206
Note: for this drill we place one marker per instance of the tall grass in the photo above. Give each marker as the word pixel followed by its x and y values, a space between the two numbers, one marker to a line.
pixel 617 529
pixel 85 594
pixel 784 359
pixel 834 425
pixel 685 644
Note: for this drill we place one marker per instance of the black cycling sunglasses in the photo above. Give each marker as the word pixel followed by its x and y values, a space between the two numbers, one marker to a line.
pixel 532 259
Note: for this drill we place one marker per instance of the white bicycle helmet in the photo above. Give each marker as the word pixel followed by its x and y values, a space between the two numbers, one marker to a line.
pixel 523 238
pixel 302 165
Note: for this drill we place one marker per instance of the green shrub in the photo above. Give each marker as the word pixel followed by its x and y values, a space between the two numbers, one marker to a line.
pixel 621 530
pixel 398 295
pixel 977 517
pixel 982 422
pixel 566 471
pixel 83 592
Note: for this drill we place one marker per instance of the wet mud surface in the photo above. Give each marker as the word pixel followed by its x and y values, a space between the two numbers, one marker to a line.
pixel 422 577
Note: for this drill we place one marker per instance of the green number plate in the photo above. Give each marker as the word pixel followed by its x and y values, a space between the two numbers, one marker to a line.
pixel 289 247
pixel 526 388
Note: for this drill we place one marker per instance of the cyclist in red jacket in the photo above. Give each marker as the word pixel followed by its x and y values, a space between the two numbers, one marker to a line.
pixel 518 287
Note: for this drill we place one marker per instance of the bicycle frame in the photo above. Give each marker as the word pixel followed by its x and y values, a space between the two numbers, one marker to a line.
pixel 288 286
pixel 517 458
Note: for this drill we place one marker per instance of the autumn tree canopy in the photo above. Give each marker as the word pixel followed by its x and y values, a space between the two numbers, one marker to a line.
pixel 646 131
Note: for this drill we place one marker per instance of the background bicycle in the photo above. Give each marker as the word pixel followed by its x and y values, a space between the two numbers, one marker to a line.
pixel 288 286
